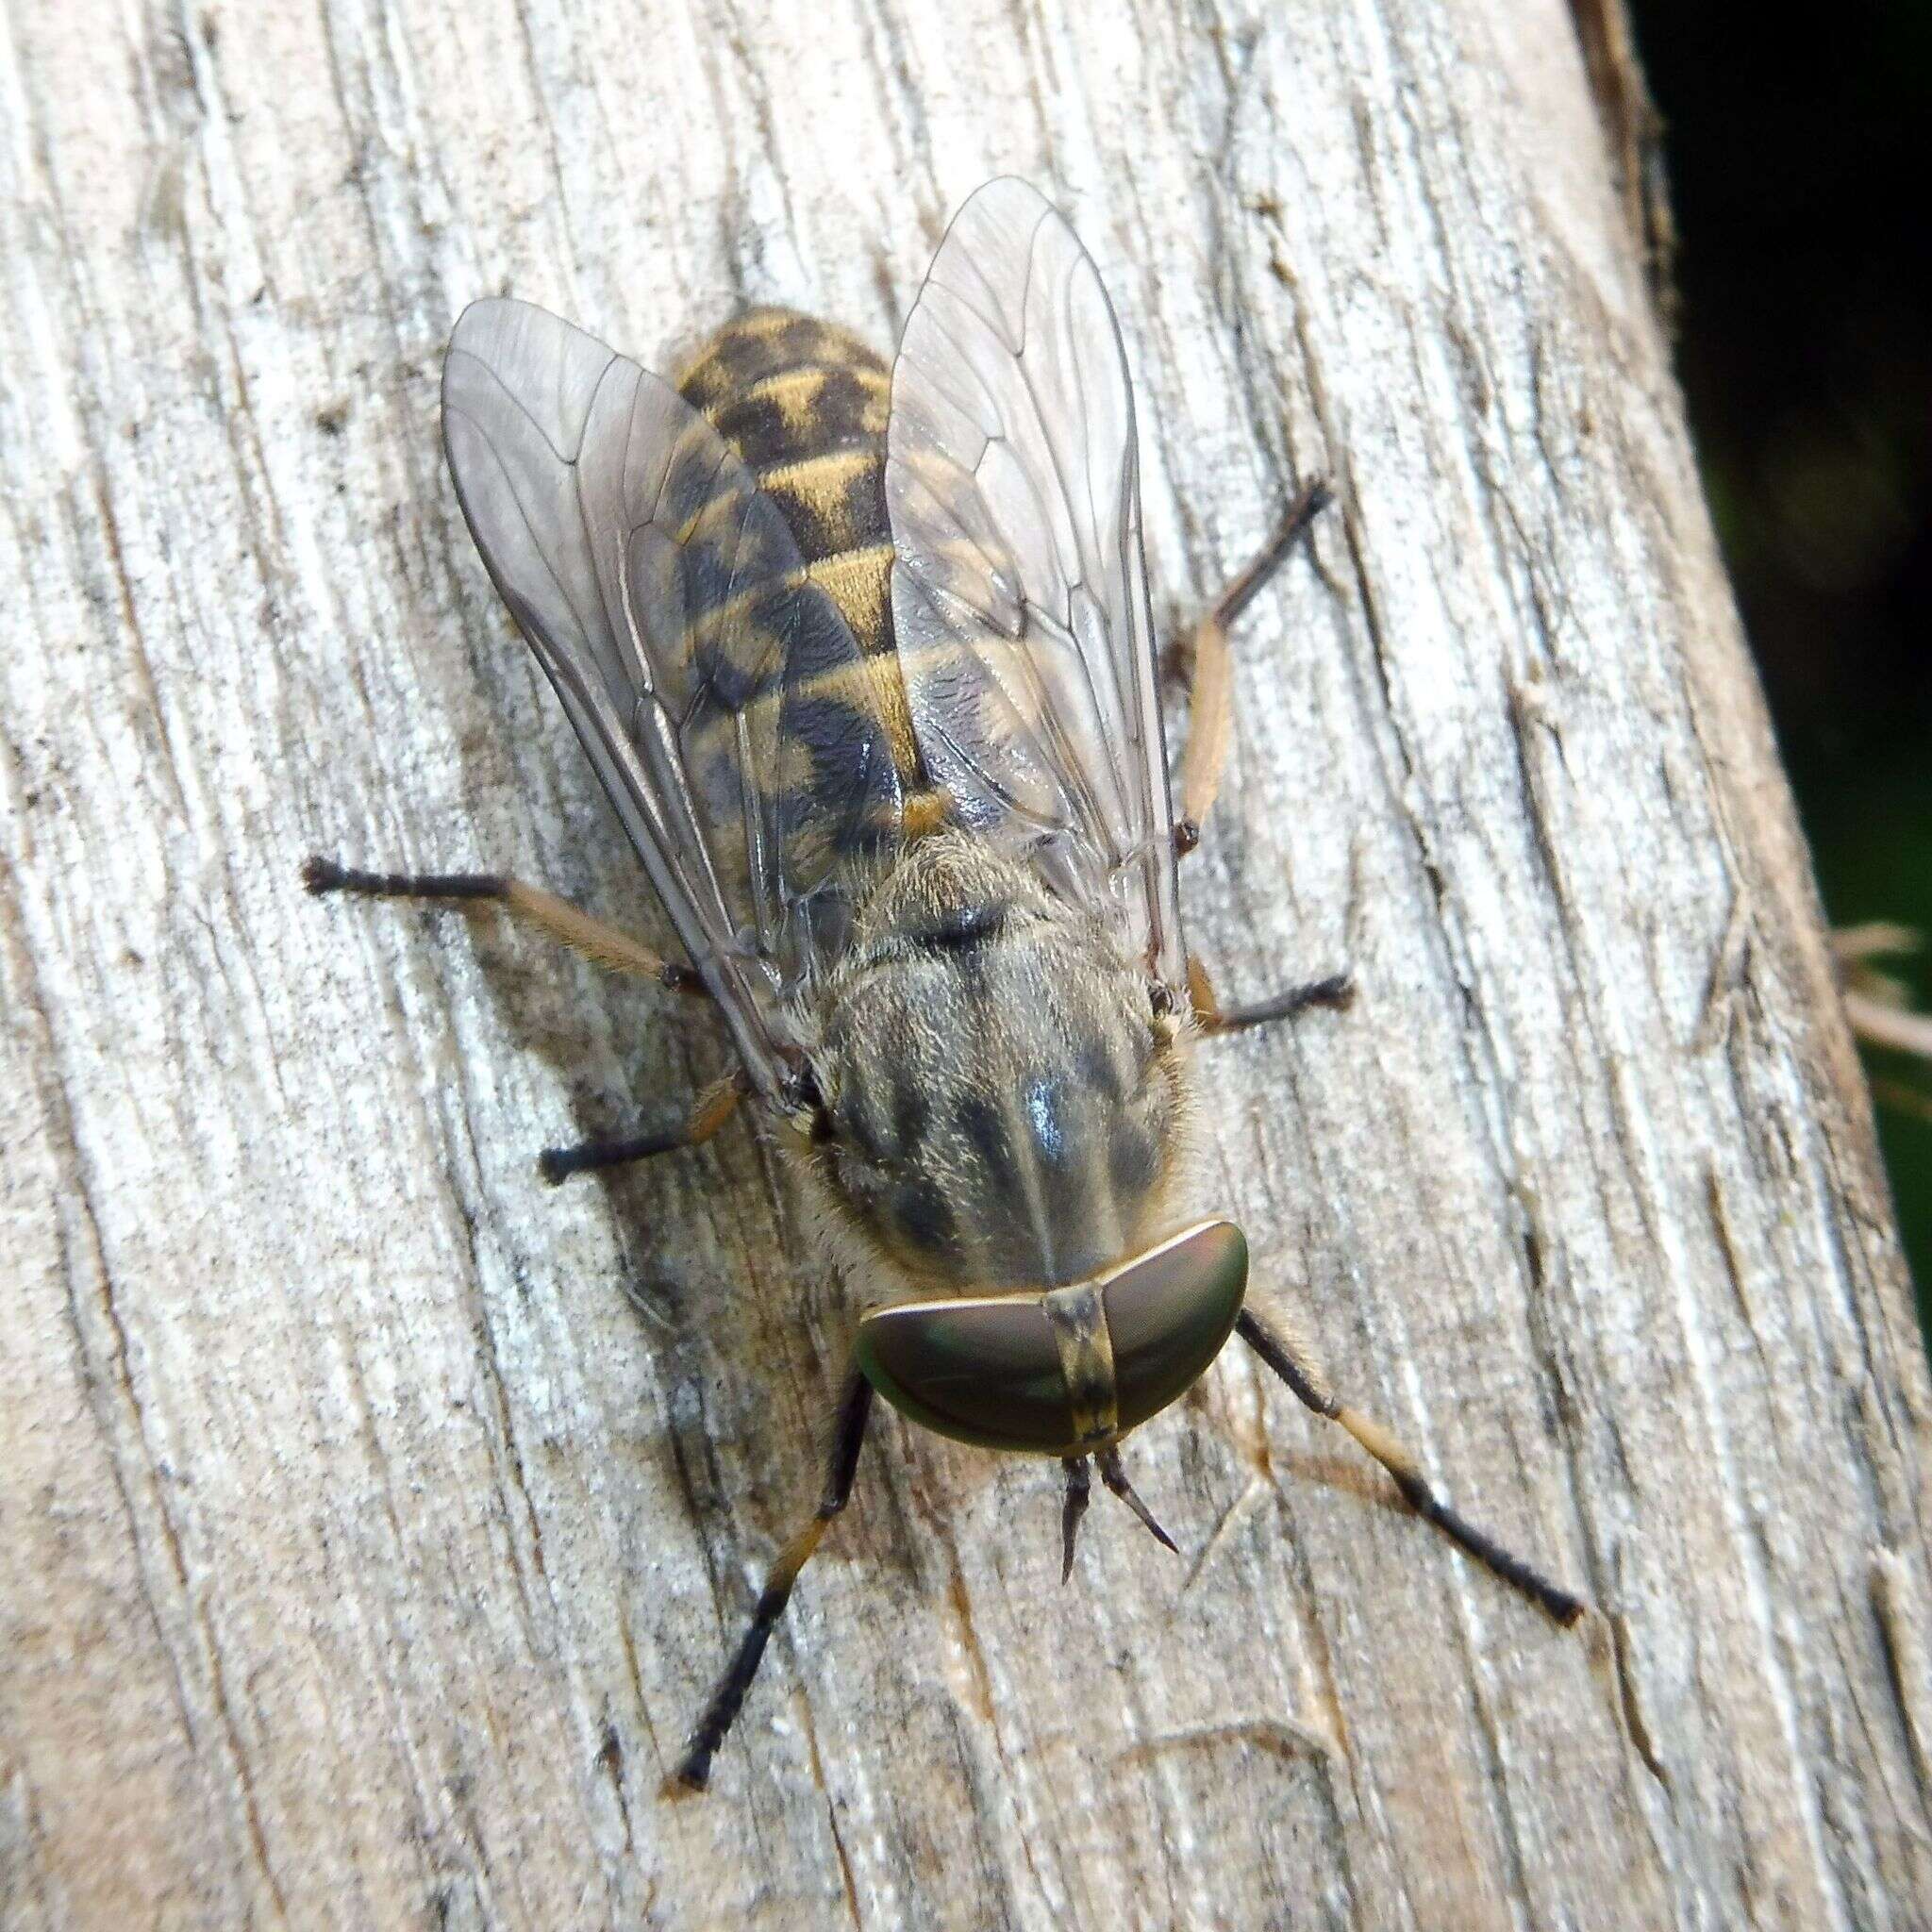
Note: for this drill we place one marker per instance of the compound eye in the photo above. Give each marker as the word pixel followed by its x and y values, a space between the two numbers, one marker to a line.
pixel 985 1371
pixel 1169 1311
pixel 986 1368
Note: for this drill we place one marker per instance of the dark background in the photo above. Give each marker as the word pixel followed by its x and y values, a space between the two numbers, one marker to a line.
pixel 1804 343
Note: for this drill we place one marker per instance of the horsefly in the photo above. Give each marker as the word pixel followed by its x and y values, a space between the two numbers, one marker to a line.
pixel 864 660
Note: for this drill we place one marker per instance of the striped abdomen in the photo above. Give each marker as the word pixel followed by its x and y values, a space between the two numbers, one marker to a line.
pixel 805 405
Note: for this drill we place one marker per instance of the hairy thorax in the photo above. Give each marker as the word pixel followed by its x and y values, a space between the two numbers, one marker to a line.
pixel 1004 1107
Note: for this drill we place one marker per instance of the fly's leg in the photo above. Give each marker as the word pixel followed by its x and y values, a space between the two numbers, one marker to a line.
pixel 1206 758
pixel 1338 990
pixel 1286 1355
pixel 1072 1507
pixel 557 1164
pixel 591 938
pixel 558 919
pixel 1204 661
pixel 1115 1477
pixel 695 1768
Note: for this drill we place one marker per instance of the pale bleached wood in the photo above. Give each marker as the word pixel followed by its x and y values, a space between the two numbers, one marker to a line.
pixel 373 1519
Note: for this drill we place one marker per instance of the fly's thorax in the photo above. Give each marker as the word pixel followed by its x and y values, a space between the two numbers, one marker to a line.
pixel 1002 1105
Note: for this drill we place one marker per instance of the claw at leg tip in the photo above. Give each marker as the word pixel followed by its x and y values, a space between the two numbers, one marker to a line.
pixel 1071 1511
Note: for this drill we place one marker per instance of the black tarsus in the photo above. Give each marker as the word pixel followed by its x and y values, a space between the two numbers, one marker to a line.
pixel 1551 1598
pixel 710 1113
pixel 557 1164
pixel 1337 990
pixel 1308 504
pixel 1300 515
pixel 695 1768
pixel 324 875
pixel 320 875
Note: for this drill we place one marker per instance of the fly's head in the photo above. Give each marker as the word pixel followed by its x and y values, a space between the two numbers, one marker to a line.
pixel 1003 1140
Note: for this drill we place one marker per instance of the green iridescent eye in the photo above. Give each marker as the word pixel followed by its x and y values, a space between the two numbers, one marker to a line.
pixel 1169 1311
pixel 986 1369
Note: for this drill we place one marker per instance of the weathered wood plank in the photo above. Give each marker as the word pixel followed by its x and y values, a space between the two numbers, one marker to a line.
pixel 375 1519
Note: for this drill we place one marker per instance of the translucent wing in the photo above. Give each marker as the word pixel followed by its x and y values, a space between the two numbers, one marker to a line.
pixel 1019 591
pixel 718 690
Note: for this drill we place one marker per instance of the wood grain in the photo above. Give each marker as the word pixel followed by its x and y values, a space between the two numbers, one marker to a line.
pixel 373 1518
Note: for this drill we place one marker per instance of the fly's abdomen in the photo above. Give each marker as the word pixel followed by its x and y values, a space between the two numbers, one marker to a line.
pixel 804 403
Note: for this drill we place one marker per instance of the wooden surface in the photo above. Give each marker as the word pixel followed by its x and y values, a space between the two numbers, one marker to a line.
pixel 372 1521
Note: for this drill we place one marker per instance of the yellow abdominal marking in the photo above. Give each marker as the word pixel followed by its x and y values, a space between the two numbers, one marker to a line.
pixel 796 393
pixel 816 478
pixel 762 325
pixel 870 685
pixel 862 574
pixel 859 583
